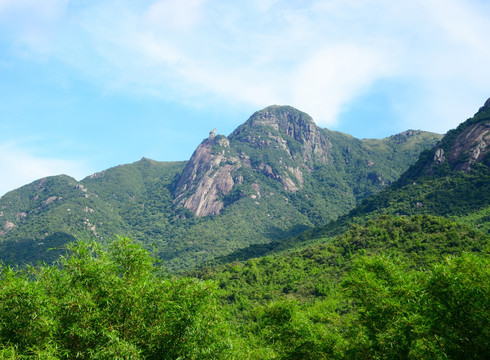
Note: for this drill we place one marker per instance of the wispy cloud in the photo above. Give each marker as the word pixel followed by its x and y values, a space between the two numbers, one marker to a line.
pixel 316 55
pixel 174 14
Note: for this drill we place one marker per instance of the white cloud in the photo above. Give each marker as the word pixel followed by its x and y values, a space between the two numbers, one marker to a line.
pixel 20 166
pixel 329 79
pixel 318 55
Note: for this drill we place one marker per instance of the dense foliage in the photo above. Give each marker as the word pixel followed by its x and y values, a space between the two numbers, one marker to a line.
pixel 396 288
pixel 405 275
pixel 106 305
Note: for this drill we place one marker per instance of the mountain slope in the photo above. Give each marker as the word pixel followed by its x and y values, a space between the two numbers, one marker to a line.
pixel 284 149
pixel 275 176
pixel 52 211
pixel 451 179
pixel 382 290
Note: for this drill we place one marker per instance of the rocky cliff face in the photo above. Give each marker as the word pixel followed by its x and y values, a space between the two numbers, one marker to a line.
pixel 461 149
pixel 280 126
pixel 289 143
pixel 282 149
pixel 207 177
pixel 467 145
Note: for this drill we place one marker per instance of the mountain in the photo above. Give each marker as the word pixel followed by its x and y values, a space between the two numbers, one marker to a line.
pixel 283 148
pixel 450 179
pixel 39 218
pixel 275 176
pixel 387 280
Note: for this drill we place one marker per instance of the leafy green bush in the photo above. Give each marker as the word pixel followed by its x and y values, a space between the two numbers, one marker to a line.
pixel 98 305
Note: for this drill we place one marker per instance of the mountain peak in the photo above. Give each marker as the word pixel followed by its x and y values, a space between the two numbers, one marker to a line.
pixel 276 126
pixel 279 142
pixel 279 148
pixel 461 149
pixel 283 118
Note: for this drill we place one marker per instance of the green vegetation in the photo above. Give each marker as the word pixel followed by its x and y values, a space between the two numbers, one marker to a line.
pixel 137 200
pixel 397 287
pixel 422 294
pixel 105 305
pixel 404 275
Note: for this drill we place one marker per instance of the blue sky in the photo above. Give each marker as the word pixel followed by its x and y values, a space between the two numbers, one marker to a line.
pixel 86 85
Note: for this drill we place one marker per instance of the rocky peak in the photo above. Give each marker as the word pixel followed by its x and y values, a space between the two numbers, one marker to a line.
pixel 404 136
pixel 279 142
pixel 459 150
pixel 470 142
pixel 276 126
pixel 207 176
pixel 286 120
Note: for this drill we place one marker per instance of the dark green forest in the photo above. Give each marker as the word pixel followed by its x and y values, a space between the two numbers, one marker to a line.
pixel 396 288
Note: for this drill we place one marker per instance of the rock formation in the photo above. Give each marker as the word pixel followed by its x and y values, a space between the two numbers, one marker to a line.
pixel 207 176
pixel 292 136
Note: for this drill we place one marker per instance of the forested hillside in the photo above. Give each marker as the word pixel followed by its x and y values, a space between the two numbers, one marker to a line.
pixel 403 276
pixel 396 288
pixel 275 176
pixel 452 179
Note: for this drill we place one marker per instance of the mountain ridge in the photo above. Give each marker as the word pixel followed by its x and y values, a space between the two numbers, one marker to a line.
pixel 275 176
pixel 292 147
pixel 459 193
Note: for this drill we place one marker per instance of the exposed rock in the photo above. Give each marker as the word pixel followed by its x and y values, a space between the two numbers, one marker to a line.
pixel 41 183
pixel 267 170
pixel 206 177
pixel 91 227
pixel 49 200
pixel 470 146
pixel 99 175
pixel 297 174
pixel 405 135
pixel 285 121
pixel 239 180
pixel 289 184
pixel 280 142
pixel 8 225
pixel 256 187
pixel 212 171
pixel 439 156
pixel 460 149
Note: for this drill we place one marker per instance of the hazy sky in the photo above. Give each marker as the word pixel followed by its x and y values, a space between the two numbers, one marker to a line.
pixel 90 84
